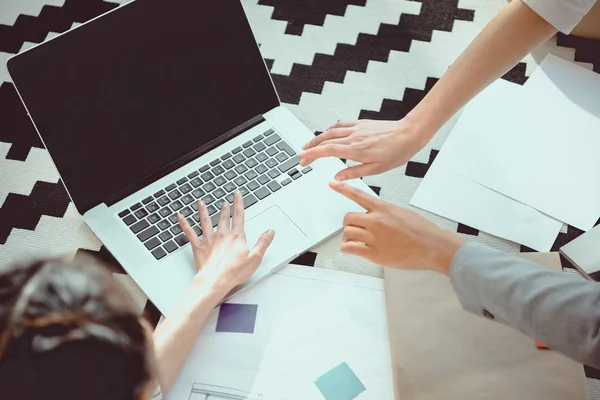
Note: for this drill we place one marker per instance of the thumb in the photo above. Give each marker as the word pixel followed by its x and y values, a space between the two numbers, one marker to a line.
pixel 265 240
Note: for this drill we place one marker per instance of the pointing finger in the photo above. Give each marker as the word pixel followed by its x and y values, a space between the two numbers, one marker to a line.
pixel 327 135
pixel 364 200
pixel 225 217
pixel 327 150
pixel 237 223
pixel 357 171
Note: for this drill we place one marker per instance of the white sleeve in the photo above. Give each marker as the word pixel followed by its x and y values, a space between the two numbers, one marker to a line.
pixel 564 15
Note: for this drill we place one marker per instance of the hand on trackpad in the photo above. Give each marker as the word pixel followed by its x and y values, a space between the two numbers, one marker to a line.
pixel 289 239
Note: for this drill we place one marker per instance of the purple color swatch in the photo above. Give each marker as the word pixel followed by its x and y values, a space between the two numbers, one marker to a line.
pixel 238 318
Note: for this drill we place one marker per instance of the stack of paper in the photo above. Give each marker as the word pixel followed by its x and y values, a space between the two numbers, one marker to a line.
pixel 523 160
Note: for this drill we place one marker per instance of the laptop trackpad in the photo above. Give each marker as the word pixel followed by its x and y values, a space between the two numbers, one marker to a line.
pixel 289 239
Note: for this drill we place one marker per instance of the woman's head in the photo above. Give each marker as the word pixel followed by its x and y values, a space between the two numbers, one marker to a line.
pixel 68 331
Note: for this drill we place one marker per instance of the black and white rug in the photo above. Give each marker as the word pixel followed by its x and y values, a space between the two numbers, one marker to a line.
pixel 330 60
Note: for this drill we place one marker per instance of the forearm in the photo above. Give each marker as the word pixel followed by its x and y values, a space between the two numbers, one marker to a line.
pixel 174 338
pixel 561 311
pixel 509 37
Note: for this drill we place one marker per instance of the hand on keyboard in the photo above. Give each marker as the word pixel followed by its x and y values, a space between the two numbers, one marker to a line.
pixel 222 256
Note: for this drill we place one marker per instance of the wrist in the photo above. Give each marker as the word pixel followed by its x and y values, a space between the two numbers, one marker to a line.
pixel 206 290
pixel 446 248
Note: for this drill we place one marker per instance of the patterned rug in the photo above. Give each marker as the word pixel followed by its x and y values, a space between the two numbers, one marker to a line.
pixel 330 60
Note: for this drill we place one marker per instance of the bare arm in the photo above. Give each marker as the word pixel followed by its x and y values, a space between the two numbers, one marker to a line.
pixel 383 145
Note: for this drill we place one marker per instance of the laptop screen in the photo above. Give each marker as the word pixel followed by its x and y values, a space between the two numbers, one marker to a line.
pixel 122 97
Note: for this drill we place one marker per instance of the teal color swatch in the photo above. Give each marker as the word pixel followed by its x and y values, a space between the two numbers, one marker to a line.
pixel 340 383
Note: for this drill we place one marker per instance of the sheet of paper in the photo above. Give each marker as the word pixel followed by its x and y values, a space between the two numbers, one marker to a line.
pixel 309 321
pixel 541 147
pixel 445 192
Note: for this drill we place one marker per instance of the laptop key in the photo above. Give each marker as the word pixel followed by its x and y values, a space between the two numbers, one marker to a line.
pixel 272 140
pixel 218 170
pixel 130 219
pixel 295 174
pixel 251 163
pixel 164 201
pixel 182 240
pixel 164 224
pixel 208 199
pixel 203 168
pixel 220 181
pixel 139 226
pixel 262 192
pixel 253 186
pixel 287 148
pixel 226 156
pixel 173 219
pixel 271 163
pixel 154 218
pixel 244 190
pixel 196 182
pixel 240 169
pixel 175 194
pixel 186 211
pixel 239 158
pixel 152 243
pixel 211 209
pixel 228 164
pixel 218 193
pixel 193 174
pixel 274 173
pixel 230 175
pixel 257 139
pixel 124 213
pixel 240 180
pixel 185 188
pixel 147 200
pixel 215 219
pixel 176 205
pixel 170 187
pixel 182 181
pixel 170 246
pixel 196 218
pixel 215 162
pixel 249 153
pixel 272 151
pixel 262 156
pixel 198 193
pixel 148 233
pixel 152 207
pixel 263 179
pixel 209 187
pixel 274 186
pixel 229 198
pixel 281 157
pixel 247 144
pixel 207 176
pixel 269 132
pixel 250 175
pixel 236 150
pixel 176 229
pixel 249 200
pixel 229 187
pixel 259 147
pixel 136 206
pixel 198 230
pixel 159 253
pixel 165 236
pixel 286 181
pixel 194 206
pixel 261 169
pixel 141 213
pixel 187 199
pixel 289 164
pixel 159 193
pixel 165 211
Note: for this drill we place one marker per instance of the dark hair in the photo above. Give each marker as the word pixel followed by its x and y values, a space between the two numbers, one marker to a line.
pixel 69 331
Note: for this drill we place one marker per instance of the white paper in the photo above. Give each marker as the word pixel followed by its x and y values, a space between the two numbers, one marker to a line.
pixel 309 321
pixel 445 192
pixel 541 147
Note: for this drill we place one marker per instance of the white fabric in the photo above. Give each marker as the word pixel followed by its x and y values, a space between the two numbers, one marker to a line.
pixel 564 15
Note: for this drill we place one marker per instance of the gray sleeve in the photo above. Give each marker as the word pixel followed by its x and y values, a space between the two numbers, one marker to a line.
pixel 560 310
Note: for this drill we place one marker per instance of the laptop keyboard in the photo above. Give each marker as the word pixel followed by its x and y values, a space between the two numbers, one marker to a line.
pixel 259 167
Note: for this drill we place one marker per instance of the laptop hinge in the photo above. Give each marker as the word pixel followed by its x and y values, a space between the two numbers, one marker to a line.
pixel 142 183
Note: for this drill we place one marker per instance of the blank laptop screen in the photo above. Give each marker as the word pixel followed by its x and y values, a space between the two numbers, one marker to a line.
pixel 122 97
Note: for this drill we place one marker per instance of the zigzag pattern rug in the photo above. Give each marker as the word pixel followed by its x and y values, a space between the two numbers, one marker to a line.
pixel 330 60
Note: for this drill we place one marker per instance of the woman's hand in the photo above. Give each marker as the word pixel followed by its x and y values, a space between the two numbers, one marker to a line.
pixel 222 257
pixel 378 145
pixel 395 237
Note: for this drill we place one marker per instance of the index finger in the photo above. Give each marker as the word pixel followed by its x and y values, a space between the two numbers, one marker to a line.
pixel 364 200
pixel 237 223
pixel 328 150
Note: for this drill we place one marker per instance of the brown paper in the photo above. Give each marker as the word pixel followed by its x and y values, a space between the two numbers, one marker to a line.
pixel 439 351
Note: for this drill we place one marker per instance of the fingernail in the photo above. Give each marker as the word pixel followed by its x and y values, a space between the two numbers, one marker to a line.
pixel 271 232
pixel 179 214
pixel 202 203
pixel 334 183
pixel 340 178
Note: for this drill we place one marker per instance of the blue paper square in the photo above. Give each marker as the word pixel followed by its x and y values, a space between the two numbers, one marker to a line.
pixel 341 383
pixel 238 318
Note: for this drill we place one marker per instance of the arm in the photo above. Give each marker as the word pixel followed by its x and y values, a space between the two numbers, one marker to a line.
pixel 223 261
pixel 382 145
pixel 560 310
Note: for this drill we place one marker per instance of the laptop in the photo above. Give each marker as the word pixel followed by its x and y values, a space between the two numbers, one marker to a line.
pixel 155 105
